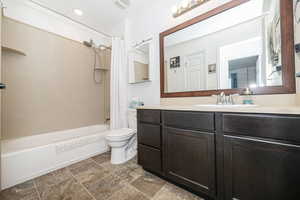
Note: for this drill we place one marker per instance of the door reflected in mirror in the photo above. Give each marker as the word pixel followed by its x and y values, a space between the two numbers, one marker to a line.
pixel 238 48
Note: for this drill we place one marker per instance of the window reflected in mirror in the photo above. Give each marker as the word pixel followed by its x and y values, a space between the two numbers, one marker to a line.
pixel 238 48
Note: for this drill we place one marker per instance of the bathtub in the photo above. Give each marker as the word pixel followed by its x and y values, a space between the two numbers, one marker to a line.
pixel 26 158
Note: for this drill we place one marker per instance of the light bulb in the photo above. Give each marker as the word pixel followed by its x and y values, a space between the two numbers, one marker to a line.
pixel 174 10
pixel 185 4
pixel 78 12
pixel 193 3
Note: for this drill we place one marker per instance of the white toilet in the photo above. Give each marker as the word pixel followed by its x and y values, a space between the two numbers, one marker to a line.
pixel 123 142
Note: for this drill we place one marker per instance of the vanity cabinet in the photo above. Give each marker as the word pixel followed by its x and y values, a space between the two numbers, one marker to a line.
pixel 169 141
pixel 223 156
pixel 149 140
pixel 261 157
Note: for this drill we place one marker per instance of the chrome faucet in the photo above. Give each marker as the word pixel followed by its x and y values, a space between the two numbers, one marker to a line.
pixel 222 99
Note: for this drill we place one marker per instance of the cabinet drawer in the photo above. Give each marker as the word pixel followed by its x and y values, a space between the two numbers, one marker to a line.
pixel 189 120
pixel 149 116
pixel 149 158
pixel 149 134
pixel 265 126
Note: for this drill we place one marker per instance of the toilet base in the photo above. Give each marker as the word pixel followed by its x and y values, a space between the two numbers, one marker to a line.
pixel 120 155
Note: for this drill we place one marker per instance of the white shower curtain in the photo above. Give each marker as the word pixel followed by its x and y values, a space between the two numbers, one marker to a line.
pixel 118 85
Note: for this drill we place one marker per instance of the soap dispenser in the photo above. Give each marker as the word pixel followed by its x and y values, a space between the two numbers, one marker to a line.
pixel 247 96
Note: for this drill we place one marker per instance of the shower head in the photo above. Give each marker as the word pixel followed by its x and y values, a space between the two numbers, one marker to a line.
pixel 102 47
pixel 89 44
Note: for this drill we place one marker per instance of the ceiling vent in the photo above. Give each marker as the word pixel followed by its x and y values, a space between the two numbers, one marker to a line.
pixel 123 3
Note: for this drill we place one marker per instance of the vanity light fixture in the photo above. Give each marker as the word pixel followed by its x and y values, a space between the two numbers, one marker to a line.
pixel 185 6
pixel 78 12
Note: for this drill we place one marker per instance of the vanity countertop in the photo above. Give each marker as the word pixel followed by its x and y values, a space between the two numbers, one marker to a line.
pixel 289 110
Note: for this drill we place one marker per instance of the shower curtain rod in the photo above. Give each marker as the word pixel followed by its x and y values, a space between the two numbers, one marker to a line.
pixel 142 42
pixel 78 22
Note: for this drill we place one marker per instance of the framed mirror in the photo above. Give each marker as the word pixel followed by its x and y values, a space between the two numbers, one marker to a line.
pixel 140 62
pixel 241 44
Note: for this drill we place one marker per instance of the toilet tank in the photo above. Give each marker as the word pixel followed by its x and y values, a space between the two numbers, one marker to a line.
pixel 132 120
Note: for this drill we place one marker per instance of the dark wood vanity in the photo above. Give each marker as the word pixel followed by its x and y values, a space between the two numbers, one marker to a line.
pixel 228 156
pixel 218 154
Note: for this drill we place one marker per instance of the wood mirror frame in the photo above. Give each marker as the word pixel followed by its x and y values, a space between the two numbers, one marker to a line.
pixel 288 56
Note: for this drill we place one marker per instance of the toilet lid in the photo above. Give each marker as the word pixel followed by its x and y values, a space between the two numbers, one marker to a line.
pixel 121 132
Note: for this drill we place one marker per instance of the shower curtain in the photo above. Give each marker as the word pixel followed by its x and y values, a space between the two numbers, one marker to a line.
pixel 118 91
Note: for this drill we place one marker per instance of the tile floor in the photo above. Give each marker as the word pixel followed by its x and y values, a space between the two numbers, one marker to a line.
pixel 98 179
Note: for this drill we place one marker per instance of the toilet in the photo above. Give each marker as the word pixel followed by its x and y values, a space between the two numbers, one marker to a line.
pixel 123 142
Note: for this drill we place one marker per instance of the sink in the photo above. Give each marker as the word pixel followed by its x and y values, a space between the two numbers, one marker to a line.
pixel 226 106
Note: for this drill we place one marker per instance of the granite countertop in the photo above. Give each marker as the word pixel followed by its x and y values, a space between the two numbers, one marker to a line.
pixel 290 110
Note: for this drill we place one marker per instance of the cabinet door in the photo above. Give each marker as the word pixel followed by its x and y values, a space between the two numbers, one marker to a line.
pixel 190 159
pixel 260 170
pixel 150 158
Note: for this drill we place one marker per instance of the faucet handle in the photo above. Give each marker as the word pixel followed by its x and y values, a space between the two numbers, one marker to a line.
pixel 231 100
pixel 218 98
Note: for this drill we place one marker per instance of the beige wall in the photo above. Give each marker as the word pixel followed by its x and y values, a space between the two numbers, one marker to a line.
pixel 51 88
pixel 141 71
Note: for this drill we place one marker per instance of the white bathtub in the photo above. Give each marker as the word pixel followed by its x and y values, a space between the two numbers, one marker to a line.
pixel 29 157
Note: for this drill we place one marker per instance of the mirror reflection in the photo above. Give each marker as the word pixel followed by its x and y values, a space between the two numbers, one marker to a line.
pixel 238 48
pixel 139 62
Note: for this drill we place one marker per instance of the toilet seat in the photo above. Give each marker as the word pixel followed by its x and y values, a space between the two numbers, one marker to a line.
pixel 120 134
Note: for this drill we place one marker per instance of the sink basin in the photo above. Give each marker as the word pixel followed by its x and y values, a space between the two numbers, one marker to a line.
pixel 225 106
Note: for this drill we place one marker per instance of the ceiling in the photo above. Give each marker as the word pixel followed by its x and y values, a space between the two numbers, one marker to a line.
pixel 103 15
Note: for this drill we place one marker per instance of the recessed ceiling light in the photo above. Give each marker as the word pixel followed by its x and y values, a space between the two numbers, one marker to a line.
pixel 78 12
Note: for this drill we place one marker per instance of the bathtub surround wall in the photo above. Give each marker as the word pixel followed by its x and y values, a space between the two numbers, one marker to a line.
pixel 51 88
pixel 142 23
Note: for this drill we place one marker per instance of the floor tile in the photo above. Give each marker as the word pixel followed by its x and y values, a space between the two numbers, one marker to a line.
pixel 106 187
pixel 53 178
pixel 80 164
pixel 87 170
pixel 88 180
pixel 110 167
pixel 148 184
pixel 65 190
pixel 172 192
pixel 129 171
pixel 25 191
pixel 102 158
pixel 128 193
